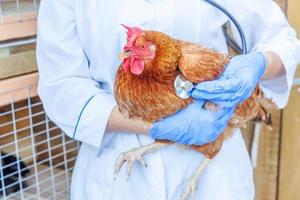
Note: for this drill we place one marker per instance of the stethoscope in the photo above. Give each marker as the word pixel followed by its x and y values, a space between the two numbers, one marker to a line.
pixel 181 84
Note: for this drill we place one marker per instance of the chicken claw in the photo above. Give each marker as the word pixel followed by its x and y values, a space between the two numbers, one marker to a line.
pixel 192 184
pixel 134 155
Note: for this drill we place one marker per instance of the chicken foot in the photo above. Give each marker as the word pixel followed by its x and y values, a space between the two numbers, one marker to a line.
pixel 136 154
pixel 192 184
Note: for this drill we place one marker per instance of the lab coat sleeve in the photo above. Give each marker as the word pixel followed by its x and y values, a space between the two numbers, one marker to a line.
pixel 71 98
pixel 267 29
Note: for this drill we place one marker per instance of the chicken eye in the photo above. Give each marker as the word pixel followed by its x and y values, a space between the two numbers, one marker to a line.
pixel 143 46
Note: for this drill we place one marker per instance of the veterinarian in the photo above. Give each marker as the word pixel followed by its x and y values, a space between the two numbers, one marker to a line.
pixel 77 52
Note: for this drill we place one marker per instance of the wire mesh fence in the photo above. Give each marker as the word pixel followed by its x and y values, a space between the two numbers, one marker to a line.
pixel 36 157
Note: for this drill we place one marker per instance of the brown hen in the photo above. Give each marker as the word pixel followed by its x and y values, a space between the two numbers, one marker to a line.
pixel 144 88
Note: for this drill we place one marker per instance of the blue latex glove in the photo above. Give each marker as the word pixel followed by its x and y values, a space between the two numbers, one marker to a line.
pixel 192 125
pixel 236 83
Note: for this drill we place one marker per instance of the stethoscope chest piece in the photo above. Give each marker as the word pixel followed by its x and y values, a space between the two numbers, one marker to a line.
pixel 182 87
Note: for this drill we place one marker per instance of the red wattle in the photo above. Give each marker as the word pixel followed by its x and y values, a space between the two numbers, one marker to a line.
pixel 137 66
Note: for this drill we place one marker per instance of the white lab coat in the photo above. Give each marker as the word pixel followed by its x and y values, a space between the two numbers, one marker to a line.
pixel 77 53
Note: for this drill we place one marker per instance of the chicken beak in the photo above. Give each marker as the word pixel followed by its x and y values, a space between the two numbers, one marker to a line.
pixel 124 54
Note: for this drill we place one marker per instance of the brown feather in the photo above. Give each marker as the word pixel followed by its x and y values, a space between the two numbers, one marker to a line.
pixel 199 63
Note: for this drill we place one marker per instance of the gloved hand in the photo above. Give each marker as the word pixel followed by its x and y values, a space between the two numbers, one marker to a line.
pixel 192 125
pixel 236 83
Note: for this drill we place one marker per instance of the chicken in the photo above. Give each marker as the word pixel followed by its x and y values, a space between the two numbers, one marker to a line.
pixel 144 89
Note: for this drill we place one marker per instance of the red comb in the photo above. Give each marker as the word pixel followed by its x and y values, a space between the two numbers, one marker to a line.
pixel 131 31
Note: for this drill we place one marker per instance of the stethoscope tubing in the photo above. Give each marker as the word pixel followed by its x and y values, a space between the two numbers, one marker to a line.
pixel 234 21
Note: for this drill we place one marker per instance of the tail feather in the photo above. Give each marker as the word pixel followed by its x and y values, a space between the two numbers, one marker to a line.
pixel 257 108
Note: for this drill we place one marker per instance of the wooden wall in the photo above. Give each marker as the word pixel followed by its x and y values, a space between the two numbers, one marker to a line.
pixel 289 176
pixel 277 176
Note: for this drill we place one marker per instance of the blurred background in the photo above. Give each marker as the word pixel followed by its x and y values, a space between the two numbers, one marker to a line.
pixel 37 158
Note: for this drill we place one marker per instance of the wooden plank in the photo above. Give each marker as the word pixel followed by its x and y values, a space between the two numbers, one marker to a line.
pixel 18 30
pixel 283 4
pixel 22 48
pixel 289 178
pixel 248 135
pixel 13 18
pixel 18 64
pixel 289 166
pixel 11 7
pixel 4 52
pixel 293 14
pixel 18 25
pixel 17 88
pixel 266 173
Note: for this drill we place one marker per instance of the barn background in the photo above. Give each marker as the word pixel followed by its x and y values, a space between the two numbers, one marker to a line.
pixel 27 134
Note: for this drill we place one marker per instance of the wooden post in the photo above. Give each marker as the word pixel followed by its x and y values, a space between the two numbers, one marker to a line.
pixel 267 172
pixel 290 150
pixel 289 177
